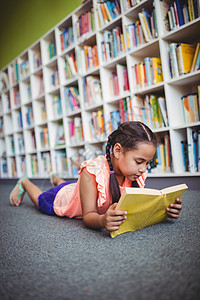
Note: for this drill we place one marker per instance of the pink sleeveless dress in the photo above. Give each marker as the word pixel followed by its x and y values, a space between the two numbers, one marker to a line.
pixel 67 201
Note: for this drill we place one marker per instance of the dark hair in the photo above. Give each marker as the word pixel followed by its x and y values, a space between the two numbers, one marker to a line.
pixel 128 135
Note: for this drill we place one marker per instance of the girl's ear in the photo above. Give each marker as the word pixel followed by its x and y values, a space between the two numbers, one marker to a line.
pixel 117 150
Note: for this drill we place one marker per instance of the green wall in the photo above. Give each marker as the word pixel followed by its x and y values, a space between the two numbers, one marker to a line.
pixel 22 22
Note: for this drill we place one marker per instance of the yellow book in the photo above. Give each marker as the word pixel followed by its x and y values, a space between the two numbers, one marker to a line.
pixel 185 54
pixel 146 207
pixel 195 57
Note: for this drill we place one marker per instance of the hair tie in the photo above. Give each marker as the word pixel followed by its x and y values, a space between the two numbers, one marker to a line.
pixel 112 172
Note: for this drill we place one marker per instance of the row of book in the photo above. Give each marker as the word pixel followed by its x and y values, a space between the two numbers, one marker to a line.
pixel 151 110
pixel 143 30
pixel 66 37
pixel 118 81
pixel 191 151
pixel 70 66
pixel 16 97
pixel 184 58
pixel 57 106
pixel 34 164
pixel 123 114
pixel 60 135
pixel 80 156
pixel 4 82
pixel 44 138
pixel 1 126
pixel 43 113
pixel 92 90
pixel 127 4
pixel 147 73
pixel 29 116
pixel 45 164
pixel 85 23
pixel 54 80
pixel 87 58
pixel 20 143
pixel 37 60
pixel 15 73
pixel 107 11
pixel 6 103
pixel 24 68
pixel 180 12
pixel 52 49
pixel 162 162
pixel 191 107
pixel 97 125
pixel 12 146
pixel 76 130
pixel 72 98
pixel 61 165
pixel 19 120
pixel 112 44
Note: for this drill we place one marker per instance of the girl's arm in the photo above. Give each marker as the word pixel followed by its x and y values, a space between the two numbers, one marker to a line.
pixel 174 210
pixel 88 194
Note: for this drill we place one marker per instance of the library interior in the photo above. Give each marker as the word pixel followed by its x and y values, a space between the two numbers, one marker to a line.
pixel 70 73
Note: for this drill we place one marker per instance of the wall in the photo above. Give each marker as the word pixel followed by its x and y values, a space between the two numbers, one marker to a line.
pixel 23 22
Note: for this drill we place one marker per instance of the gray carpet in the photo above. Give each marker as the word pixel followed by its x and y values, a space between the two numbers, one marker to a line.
pixel 44 257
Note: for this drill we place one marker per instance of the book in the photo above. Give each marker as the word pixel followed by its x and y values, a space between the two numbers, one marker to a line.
pixel 146 207
pixel 185 54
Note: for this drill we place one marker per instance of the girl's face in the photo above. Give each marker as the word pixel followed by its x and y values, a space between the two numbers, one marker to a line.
pixel 133 163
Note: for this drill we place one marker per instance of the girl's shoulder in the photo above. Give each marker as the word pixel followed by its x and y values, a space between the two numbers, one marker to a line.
pixel 95 165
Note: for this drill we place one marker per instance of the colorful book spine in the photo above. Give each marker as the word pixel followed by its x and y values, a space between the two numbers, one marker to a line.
pixel 61 161
pixel 37 60
pixel 107 11
pixel 54 80
pixel 52 49
pixel 24 68
pixel 97 125
pixel 92 90
pixel 178 13
pixel 57 106
pixel 85 24
pixel 45 163
pixel 70 66
pixel 190 107
pixel 87 58
pixel 72 99
pixel 34 165
pixel 66 37
pixel 29 116
pixel 112 44
pixel 147 73
pixel 44 137
pixel 76 130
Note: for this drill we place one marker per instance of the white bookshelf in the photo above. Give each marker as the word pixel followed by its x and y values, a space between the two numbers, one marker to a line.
pixel 36 96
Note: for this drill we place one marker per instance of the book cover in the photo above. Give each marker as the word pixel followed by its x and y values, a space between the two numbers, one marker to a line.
pixel 146 207
pixel 185 54
pixel 195 57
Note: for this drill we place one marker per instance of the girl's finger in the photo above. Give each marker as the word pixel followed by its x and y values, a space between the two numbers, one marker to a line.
pixel 175 216
pixel 173 211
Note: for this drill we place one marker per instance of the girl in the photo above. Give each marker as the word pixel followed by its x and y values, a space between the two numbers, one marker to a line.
pixel 94 197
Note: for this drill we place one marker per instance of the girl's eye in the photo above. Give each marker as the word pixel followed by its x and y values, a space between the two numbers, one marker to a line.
pixel 139 162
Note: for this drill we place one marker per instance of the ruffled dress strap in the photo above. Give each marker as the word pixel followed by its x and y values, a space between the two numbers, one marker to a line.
pixel 99 168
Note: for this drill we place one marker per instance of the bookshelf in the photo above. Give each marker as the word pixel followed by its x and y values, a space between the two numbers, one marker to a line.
pixel 63 95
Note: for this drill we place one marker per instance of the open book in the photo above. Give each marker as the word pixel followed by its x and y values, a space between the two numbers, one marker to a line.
pixel 145 206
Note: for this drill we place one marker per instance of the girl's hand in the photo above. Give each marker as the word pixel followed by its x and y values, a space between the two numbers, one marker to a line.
pixel 114 218
pixel 174 210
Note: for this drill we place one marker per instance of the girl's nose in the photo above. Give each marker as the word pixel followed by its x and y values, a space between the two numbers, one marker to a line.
pixel 142 168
